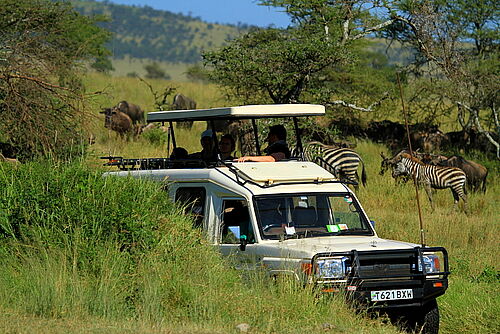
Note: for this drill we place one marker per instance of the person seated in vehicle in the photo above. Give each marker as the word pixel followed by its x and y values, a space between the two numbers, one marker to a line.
pixel 208 147
pixel 179 153
pixel 226 147
pixel 277 148
pixel 179 156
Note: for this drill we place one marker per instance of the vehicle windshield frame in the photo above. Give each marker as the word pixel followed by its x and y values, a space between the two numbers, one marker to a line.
pixel 317 229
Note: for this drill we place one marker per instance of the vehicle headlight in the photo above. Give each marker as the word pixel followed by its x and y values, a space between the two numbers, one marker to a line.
pixel 331 267
pixel 431 262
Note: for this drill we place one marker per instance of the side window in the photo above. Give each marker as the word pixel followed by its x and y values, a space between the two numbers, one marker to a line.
pixel 193 200
pixel 235 222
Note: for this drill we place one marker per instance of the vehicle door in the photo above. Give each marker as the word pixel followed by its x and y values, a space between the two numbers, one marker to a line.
pixel 236 237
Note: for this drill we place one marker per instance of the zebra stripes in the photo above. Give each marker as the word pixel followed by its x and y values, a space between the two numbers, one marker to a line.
pixel 431 176
pixel 341 162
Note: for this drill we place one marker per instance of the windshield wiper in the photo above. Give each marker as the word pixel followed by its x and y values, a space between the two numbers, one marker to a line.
pixel 307 233
pixel 360 231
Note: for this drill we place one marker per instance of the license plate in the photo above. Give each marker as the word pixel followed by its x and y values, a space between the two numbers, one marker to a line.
pixel 377 296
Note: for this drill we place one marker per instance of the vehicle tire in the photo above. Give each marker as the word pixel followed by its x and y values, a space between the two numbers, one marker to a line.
pixel 425 320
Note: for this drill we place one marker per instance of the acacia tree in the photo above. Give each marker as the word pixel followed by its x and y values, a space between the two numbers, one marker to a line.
pixel 273 63
pixel 292 65
pixel 43 45
pixel 461 39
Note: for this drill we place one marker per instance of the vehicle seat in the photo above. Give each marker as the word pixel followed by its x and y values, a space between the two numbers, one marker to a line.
pixel 304 216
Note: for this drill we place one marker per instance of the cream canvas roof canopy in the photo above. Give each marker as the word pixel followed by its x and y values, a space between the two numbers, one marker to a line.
pixel 239 112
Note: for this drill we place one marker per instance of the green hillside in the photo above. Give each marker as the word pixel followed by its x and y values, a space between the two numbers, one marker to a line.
pixel 142 35
pixel 147 33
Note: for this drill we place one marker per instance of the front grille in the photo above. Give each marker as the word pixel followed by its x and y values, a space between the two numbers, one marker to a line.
pixel 384 264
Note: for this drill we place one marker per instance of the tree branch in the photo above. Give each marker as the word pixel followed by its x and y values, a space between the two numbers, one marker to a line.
pixel 475 117
pixel 370 30
pixel 36 80
pixel 420 43
pixel 355 107
pixel 495 117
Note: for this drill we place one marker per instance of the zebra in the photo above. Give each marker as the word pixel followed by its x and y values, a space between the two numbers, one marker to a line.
pixel 431 176
pixel 341 162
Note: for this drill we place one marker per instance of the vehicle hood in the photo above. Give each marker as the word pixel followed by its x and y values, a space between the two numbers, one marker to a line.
pixel 307 248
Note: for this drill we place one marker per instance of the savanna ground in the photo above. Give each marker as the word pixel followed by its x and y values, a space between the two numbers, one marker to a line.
pixel 168 280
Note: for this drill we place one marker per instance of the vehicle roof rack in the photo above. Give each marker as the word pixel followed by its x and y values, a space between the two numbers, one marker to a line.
pixel 155 163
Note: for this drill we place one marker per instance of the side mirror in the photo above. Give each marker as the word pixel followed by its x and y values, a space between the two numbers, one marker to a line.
pixel 243 242
pixel 373 223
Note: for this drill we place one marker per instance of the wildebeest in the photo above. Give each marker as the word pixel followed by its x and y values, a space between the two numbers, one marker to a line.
pixel 135 112
pixel 431 176
pixel 182 102
pixel 117 121
pixel 476 173
pixel 388 163
pixel 428 140
pixel 385 130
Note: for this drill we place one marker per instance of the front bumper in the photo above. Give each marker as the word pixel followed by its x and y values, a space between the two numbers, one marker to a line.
pixel 389 270
pixel 423 292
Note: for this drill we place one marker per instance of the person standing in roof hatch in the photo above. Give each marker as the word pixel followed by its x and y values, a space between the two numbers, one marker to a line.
pixel 208 147
pixel 277 148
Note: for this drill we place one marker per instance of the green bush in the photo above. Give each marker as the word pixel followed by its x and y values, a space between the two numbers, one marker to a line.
pixel 156 137
pixel 45 202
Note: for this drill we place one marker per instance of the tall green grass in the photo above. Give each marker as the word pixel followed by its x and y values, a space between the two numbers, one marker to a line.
pixel 115 253
pixel 472 302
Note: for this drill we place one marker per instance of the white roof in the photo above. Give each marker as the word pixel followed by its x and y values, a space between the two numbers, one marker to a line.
pixel 239 112
pixel 290 180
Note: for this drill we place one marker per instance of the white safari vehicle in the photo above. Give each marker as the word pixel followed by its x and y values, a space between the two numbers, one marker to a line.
pixel 294 218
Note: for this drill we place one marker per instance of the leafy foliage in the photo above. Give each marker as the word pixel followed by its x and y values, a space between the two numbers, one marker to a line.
pixel 154 71
pixel 103 64
pixel 273 64
pixel 42 45
pixel 197 73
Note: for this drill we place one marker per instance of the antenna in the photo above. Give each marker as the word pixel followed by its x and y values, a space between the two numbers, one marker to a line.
pixel 405 113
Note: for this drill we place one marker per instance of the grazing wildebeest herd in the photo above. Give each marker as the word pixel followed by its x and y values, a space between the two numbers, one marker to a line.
pixel 127 118
pixel 432 171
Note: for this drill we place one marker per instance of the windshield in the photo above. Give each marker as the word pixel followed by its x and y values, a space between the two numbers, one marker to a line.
pixel 310 215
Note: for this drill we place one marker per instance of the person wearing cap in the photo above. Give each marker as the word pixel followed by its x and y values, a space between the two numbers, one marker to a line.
pixel 208 147
pixel 277 148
